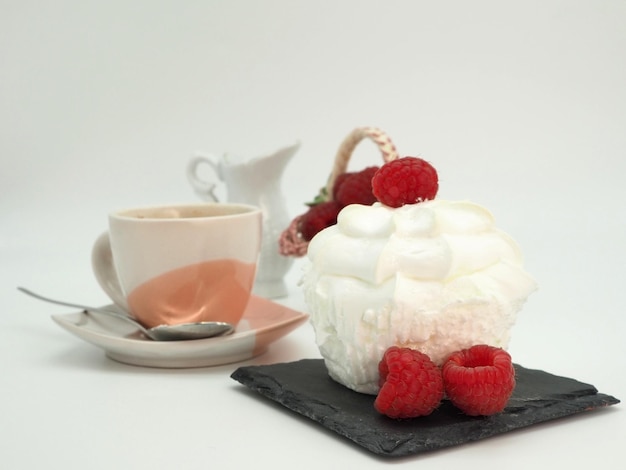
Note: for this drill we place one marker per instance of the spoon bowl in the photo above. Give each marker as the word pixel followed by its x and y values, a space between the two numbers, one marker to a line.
pixel 182 331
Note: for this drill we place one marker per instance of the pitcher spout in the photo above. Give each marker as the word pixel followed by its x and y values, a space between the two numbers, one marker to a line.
pixel 275 163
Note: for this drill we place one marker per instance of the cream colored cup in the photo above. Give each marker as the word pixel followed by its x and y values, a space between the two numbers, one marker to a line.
pixel 180 264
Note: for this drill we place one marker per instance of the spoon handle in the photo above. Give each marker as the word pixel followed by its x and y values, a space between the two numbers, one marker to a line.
pixel 103 311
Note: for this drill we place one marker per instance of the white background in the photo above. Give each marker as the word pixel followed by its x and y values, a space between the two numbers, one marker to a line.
pixel 521 106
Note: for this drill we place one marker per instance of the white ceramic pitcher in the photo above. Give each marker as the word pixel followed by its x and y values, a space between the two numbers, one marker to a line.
pixel 256 182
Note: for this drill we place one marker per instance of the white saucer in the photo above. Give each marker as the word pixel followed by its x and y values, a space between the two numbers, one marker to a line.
pixel 263 323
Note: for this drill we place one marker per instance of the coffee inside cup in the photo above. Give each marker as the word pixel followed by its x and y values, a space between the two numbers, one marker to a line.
pixel 185 212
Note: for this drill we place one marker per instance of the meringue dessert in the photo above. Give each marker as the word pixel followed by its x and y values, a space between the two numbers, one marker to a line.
pixel 436 276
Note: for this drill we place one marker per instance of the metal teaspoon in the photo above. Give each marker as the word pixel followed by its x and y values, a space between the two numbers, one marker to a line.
pixel 182 331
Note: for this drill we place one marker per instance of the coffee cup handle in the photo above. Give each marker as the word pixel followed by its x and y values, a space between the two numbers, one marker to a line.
pixel 205 189
pixel 104 270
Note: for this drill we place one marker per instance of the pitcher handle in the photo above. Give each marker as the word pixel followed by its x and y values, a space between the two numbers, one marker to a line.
pixel 205 189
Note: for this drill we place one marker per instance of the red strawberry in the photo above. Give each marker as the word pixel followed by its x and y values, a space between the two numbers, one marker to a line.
pixel 355 187
pixel 405 181
pixel 317 218
pixel 410 384
pixel 479 380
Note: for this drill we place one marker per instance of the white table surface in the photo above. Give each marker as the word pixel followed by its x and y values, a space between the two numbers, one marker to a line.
pixel 521 106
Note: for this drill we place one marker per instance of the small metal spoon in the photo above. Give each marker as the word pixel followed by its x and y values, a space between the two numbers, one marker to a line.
pixel 183 331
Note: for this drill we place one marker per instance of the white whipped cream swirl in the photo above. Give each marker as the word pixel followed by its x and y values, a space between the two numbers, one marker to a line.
pixel 437 276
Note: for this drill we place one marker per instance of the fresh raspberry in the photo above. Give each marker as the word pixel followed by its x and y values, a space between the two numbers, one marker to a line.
pixel 410 384
pixel 339 182
pixel 479 380
pixel 405 181
pixel 317 218
pixel 355 187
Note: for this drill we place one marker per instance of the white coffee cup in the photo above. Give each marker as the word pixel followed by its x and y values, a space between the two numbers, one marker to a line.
pixel 182 263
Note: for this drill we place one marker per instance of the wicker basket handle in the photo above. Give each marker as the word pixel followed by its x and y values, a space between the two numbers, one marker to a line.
pixel 382 140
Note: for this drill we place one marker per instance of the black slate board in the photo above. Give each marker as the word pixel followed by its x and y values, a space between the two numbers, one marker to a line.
pixel 305 387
